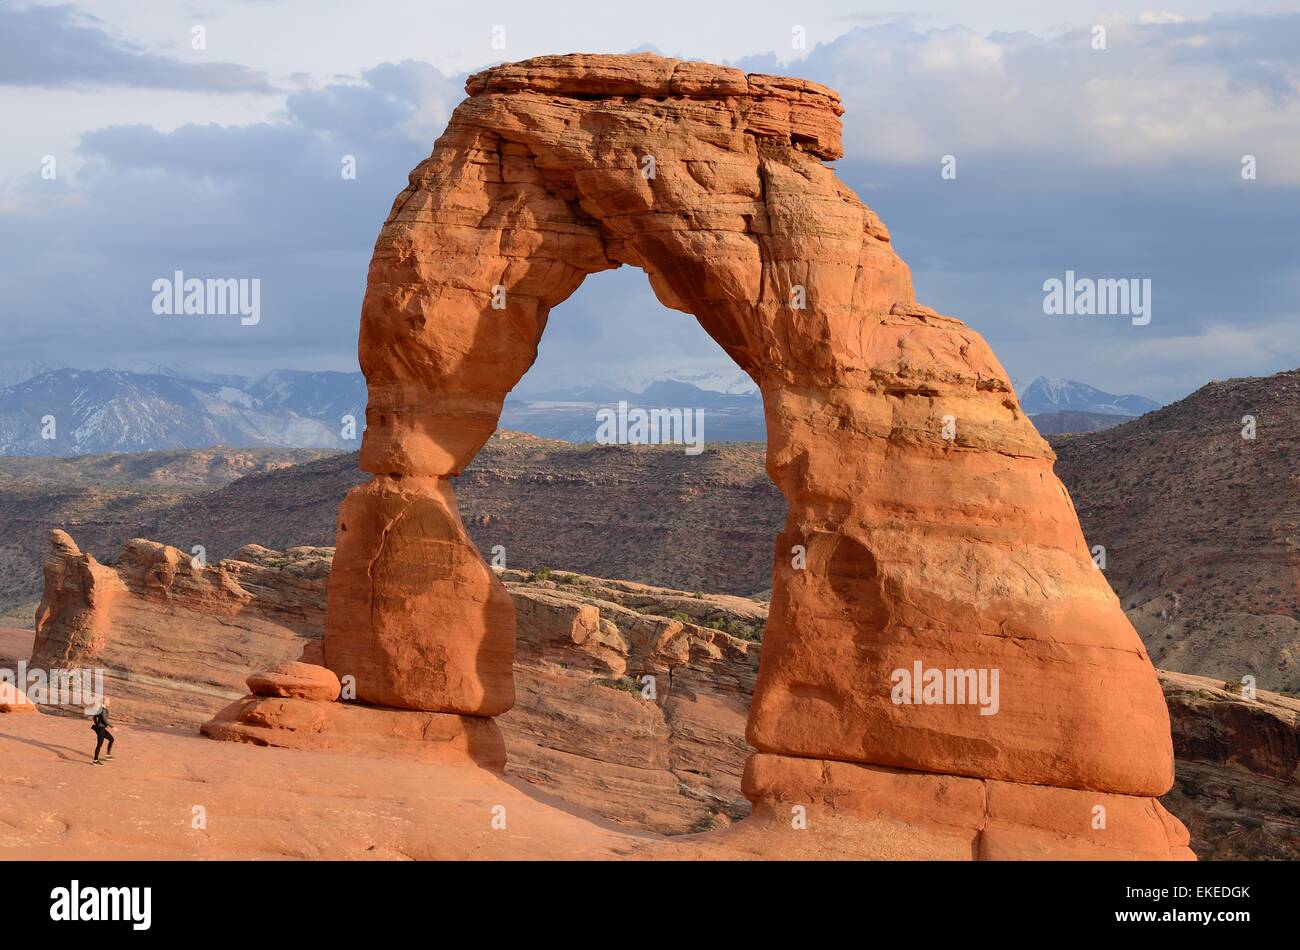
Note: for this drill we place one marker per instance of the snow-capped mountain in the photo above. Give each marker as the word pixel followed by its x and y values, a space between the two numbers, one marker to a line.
pixel 77 412
pixel 1045 394
pixel 64 411
pixel 613 384
pixel 54 410
pixel 570 413
pixel 13 372
pixel 731 384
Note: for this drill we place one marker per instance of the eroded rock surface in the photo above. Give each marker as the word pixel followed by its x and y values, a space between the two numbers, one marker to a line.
pixel 925 523
pixel 176 641
pixel 586 729
pixel 296 680
pixel 323 725
pixel 1238 778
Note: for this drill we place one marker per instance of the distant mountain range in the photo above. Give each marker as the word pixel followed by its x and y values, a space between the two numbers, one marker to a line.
pixel 78 412
pixel 1044 394
pixel 52 410
pixel 734 410
pixel 570 414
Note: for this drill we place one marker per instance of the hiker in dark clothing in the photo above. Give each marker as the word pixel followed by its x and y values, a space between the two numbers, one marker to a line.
pixel 100 725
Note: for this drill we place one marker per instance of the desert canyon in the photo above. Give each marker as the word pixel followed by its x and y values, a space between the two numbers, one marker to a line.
pixel 400 681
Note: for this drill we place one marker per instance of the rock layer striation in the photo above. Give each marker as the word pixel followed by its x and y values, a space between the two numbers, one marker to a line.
pixel 926 530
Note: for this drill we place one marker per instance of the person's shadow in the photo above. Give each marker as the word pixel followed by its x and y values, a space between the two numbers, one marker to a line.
pixel 58 750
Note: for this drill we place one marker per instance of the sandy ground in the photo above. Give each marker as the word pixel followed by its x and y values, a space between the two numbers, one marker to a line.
pixel 263 803
pixel 172 796
pixel 15 643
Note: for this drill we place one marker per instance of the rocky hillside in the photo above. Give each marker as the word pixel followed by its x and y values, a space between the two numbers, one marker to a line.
pixel 1201 526
pixel 648 512
pixel 174 468
pixel 1237 784
pixel 105 500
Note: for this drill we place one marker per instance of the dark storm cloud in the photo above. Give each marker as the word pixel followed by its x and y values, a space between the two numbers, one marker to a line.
pixel 60 46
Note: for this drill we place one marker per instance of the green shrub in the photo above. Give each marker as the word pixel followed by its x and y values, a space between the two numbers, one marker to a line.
pixel 626 683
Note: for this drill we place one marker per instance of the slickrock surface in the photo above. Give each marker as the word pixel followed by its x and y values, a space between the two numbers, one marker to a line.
pixel 176 655
pixel 925 523
pixel 263 803
pixel 267 803
pixel 176 643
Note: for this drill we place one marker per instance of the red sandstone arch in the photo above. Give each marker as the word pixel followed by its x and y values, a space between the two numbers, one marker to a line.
pixel 960 552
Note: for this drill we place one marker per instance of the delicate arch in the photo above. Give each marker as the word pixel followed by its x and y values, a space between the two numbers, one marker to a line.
pixel 952 550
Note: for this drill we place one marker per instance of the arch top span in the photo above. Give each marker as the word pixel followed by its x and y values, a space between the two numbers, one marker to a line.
pixel 931 527
pixel 709 180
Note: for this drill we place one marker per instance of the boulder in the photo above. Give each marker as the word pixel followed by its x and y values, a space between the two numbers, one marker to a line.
pixel 368 731
pixel 293 679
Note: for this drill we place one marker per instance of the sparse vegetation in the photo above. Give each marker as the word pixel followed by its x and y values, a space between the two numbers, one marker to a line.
pixel 737 628
pixel 627 684
pixel 706 822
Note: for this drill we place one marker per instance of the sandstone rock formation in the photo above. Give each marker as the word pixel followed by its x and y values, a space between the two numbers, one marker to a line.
pixel 176 642
pixel 72 620
pixel 295 706
pixel 1207 564
pixel 322 725
pixel 586 730
pixel 298 680
pixel 1238 781
pixel 926 527
pixel 631 701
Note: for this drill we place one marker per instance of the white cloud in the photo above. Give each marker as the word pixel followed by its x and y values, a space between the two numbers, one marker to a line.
pixel 1166 91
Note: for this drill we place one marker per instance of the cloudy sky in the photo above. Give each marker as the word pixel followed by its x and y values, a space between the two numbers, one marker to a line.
pixel 225 161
